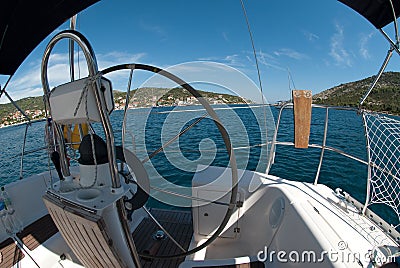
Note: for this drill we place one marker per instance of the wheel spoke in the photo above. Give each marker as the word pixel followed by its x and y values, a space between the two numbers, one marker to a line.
pixel 164 230
pixel 165 145
pixel 190 197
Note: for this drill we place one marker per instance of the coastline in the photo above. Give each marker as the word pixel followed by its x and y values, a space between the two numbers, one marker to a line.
pixel 119 109
pixel 144 107
pixel 24 122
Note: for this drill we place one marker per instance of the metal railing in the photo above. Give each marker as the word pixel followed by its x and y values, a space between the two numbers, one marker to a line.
pixel 27 124
pixel 362 207
pixel 321 146
pixel 100 101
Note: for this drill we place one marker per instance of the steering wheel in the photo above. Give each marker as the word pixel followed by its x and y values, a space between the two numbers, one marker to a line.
pixel 137 167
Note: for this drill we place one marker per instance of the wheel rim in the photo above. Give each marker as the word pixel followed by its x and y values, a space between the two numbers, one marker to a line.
pixel 232 160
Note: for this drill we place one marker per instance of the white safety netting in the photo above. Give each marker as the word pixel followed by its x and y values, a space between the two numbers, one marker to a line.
pixel 383 135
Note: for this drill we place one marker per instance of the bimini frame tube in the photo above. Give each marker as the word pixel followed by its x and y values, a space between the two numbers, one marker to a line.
pixel 100 101
pixel 394 46
pixel 381 70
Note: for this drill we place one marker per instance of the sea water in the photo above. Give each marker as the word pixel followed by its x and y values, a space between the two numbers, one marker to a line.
pixel 149 128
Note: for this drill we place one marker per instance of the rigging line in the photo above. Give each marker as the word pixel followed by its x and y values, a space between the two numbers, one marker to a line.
pixel 290 77
pixel 2 90
pixel 76 26
pixel 72 49
pixel 16 106
pixel 253 46
pixel 29 152
pixel 78 62
pixel 257 67
pixel 21 171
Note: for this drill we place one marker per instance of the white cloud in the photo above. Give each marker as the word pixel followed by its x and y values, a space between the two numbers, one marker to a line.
pixel 28 83
pixel 249 59
pixel 310 36
pixel 364 52
pixel 269 61
pixel 209 59
pixel 156 29
pixel 291 53
pixel 233 60
pixel 242 60
pixel 337 50
pixel 225 36
pixel 115 57
pixel 60 57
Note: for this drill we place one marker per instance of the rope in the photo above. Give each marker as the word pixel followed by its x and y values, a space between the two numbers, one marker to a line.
pixel 90 84
pixel 258 71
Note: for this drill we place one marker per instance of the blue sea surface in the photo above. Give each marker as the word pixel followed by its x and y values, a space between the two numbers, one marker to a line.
pixel 149 128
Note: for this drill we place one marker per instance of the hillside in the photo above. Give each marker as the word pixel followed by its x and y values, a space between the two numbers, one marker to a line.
pixel 385 97
pixel 143 97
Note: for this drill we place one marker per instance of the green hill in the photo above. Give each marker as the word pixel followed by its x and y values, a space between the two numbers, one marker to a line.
pixel 30 103
pixel 385 97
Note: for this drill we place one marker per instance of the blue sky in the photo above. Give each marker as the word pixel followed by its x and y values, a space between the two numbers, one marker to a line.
pixel 322 43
